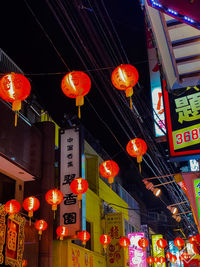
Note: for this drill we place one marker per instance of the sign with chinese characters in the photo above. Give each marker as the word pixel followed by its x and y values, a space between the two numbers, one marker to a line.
pixel 197 194
pixel 183 121
pixel 157 252
pixel 175 251
pixel 70 168
pixel 194 165
pixel 114 228
pixel 137 257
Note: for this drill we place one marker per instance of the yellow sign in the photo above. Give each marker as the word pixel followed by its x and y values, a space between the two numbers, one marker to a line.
pixel 114 228
pixel 157 252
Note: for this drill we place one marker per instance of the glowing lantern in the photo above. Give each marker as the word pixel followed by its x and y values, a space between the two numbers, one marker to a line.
pixel 143 243
pixel 62 231
pixel 161 243
pixel 155 259
pixel 31 204
pixel 168 255
pixel 105 240
pixel 109 169
pixel 24 263
pixel 192 240
pixel 12 207
pixel 137 148
pixel 150 260
pixel 76 84
pixel 173 259
pixel 14 88
pixel 179 242
pixel 79 186
pixel 124 242
pixel 41 226
pixel 84 236
pixel 54 197
pixel 124 77
pixel 161 259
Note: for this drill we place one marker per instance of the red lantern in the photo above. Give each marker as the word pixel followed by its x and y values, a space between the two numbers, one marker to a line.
pixel 79 186
pixel 168 255
pixel 161 259
pixel 161 243
pixel 173 258
pixel 124 77
pixel 14 88
pixel 105 240
pixel 124 242
pixel 84 236
pixel 41 226
pixel 54 197
pixel 155 259
pixel 150 260
pixel 12 207
pixel 24 263
pixel 137 148
pixel 143 243
pixel 109 169
pixel 179 242
pixel 31 204
pixel 192 240
pixel 62 231
pixel 76 84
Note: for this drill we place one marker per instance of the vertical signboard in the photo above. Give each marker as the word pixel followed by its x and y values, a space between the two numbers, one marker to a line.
pixel 175 251
pixel 197 194
pixel 183 121
pixel 70 168
pixel 137 256
pixel 157 252
pixel 114 228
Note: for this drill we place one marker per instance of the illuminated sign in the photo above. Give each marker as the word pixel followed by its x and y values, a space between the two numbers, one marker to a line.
pixel 183 121
pixel 197 194
pixel 157 252
pixel 175 251
pixel 114 228
pixel 194 165
pixel 137 256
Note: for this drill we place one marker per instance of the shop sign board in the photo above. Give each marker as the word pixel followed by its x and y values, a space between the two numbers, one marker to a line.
pixel 157 252
pixel 175 251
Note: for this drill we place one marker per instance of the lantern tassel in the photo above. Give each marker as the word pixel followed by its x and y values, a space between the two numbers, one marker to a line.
pixel 140 167
pixel 131 103
pixel 39 237
pixel 79 112
pixel 16 115
pixel 54 214
pixel 29 221
pixel 79 204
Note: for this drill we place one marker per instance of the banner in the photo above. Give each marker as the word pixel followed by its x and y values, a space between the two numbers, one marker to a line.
pixel 71 166
pixel 183 121
pixel 114 228
pixel 137 257
pixel 175 251
pixel 157 252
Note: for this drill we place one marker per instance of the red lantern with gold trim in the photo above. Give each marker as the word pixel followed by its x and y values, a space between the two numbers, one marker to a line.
pixel 179 242
pixel 150 260
pixel 137 148
pixel 76 84
pixel 124 242
pixel 62 232
pixel 79 186
pixel 84 236
pixel 109 169
pixel 31 204
pixel 105 240
pixel 192 240
pixel 41 226
pixel 173 258
pixel 161 243
pixel 54 197
pixel 143 243
pixel 124 77
pixel 14 88
pixel 168 255
pixel 155 259
pixel 24 263
pixel 12 207
pixel 161 259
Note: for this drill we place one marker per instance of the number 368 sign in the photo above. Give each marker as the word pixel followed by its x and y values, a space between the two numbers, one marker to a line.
pixel 182 109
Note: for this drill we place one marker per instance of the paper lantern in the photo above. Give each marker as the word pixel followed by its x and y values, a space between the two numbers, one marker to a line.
pixel 14 88
pixel 79 186
pixel 168 255
pixel 109 169
pixel 105 240
pixel 124 77
pixel 62 232
pixel 41 226
pixel 12 207
pixel 161 243
pixel 155 259
pixel 192 240
pixel 150 260
pixel 24 263
pixel 161 259
pixel 84 236
pixel 173 259
pixel 179 242
pixel 31 204
pixel 137 148
pixel 124 242
pixel 143 243
pixel 76 84
pixel 54 197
